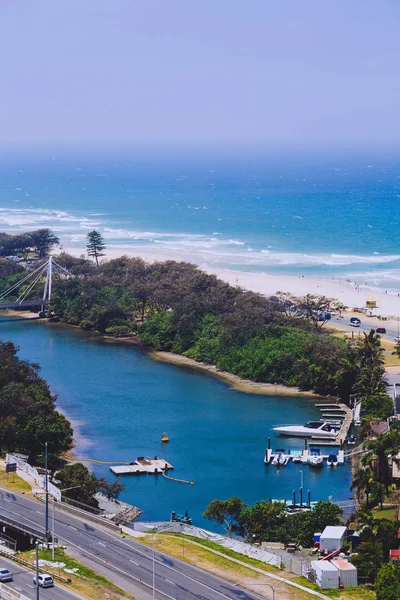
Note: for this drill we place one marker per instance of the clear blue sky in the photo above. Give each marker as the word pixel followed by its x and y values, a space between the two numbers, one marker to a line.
pixel 200 71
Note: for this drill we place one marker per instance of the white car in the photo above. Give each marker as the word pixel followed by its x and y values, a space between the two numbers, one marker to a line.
pixel 44 581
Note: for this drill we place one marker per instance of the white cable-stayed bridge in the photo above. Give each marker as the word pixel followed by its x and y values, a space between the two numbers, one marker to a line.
pixel 28 286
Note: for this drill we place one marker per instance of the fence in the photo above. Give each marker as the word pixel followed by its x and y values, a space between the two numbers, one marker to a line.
pixel 230 543
pixel 40 479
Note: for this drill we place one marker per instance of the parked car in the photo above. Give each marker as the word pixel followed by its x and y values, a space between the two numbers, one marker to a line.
pixel 397 338
pixel 44 581
pixel 381 330
pixel 5 575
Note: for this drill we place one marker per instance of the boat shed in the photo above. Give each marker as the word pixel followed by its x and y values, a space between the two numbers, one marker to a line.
pixel 326 575
pixel 333 538
pixel 347 573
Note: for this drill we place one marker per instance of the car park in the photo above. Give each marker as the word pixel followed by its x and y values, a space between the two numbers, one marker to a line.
pixel 5 575
pixel 44 581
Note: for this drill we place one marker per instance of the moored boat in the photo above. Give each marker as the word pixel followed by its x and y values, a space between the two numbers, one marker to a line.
pixel 310 429
pixel 332 460
pixel 314 459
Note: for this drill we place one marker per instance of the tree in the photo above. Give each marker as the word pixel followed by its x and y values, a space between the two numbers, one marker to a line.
pixel 43 241
pixel 380 452
pixel 95 245
pixel 316 308
pixel 84 483
pixel 362 480
pixel 387 583
pixel 264 520
pixel 226 512
pixel 111 490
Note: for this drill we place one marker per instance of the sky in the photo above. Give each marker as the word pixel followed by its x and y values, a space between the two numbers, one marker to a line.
pixel 200 72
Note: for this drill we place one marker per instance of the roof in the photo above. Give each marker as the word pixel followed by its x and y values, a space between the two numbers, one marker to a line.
pixel 344 565
pixel 334 531
pixel 395 554
pixel 379 428
pixel 322 565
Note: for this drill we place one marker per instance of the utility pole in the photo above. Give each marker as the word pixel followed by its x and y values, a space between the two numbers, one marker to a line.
pixel 47 494
pixel 37 569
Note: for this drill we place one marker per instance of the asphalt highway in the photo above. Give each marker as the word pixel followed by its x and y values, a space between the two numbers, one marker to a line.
pixel 122 560
pixel 23 583
pixel 365 326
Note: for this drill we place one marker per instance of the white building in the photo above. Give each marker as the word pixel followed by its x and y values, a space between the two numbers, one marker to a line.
pixel 347 573
pixel 333 538
pixel 326 575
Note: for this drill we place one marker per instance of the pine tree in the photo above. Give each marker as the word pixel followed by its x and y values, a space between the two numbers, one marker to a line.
pixel 95 245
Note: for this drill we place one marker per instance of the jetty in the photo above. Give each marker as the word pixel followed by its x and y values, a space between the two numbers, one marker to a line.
pixel 142 466
pixel 301 456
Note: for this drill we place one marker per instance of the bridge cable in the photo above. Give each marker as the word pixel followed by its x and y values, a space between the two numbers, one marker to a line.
pixel 10 289
pixel 32 285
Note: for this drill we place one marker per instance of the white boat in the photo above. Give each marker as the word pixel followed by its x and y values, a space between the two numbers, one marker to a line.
pixel 315 460
pixel 280 460
pixel 296 458
pixel 310 429
pixel 332 460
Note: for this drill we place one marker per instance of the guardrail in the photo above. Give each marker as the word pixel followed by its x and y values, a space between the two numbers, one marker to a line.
pixel 25 563
pixel 7 593
pixel 82 514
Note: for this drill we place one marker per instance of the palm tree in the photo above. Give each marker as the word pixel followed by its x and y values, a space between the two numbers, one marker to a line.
pixel 361 483
pixel 381 452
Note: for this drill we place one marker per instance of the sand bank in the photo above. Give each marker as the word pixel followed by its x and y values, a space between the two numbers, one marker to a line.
pixel 235 382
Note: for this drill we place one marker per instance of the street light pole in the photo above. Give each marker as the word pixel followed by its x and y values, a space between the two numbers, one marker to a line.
pixel 154 556
pixel 273 587
pixel 37 569
pixel 52 516
pixel 47 493
pixel 52 532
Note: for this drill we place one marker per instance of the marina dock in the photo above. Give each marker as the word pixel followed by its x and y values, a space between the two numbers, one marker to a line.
pixel 301 456
pixel 338 415
pixel 143 466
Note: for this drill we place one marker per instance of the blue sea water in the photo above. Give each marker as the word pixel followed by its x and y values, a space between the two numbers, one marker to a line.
pixel 120 401
pixel 295 213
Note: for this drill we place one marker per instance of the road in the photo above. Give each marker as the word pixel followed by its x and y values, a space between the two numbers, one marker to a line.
pixel 23 583
pixel 366 326
pixel 124 561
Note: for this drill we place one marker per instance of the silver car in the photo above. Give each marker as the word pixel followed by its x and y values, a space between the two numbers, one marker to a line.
pixel 5 575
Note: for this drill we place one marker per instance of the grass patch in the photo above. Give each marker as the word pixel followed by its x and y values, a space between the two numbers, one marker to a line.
pixel 386 513
pixel 14 482
pixel 174 545
pixel 84 581
pixel 358 593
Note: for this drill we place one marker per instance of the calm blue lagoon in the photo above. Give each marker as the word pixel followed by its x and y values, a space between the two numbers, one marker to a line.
pixel 121 400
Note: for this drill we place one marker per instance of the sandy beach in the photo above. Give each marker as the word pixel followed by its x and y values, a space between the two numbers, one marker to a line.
pixel 346 291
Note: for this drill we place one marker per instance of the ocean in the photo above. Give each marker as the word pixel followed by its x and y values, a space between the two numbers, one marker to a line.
pixel 295 213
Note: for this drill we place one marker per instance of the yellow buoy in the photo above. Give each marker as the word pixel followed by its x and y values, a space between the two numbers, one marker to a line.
pixel 164 437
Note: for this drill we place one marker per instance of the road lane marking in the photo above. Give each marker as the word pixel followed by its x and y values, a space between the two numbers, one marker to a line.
pixel 135 563
pixel 129 575
pixel 181 573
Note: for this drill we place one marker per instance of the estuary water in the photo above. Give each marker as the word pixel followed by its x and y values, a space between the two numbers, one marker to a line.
pixel 121 400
